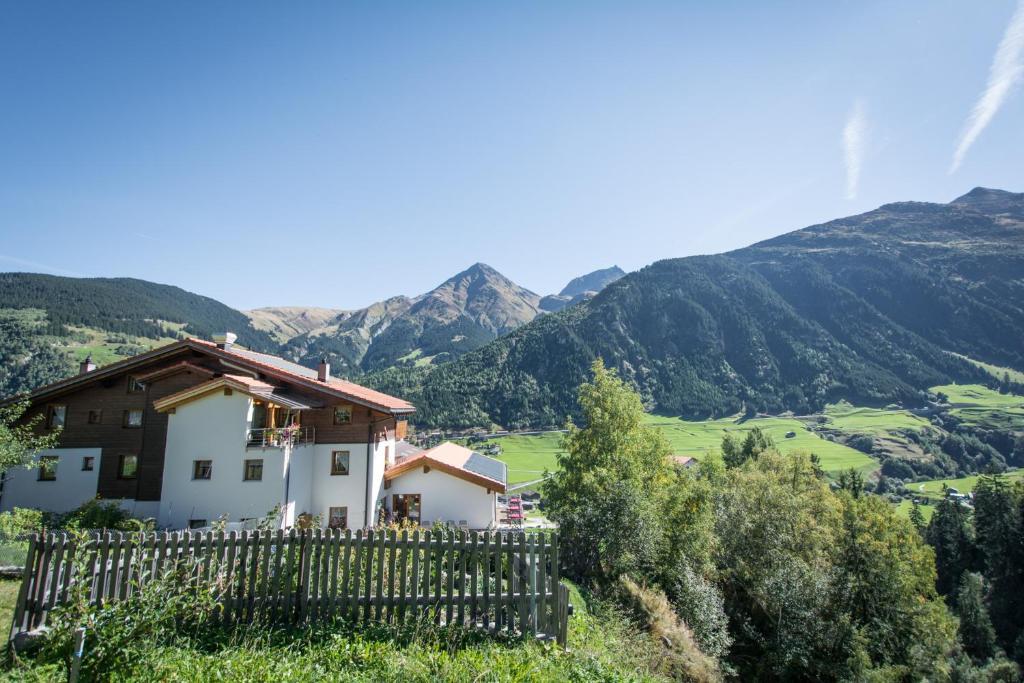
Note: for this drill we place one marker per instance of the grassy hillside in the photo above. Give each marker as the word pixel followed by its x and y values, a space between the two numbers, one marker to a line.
pixel 980 406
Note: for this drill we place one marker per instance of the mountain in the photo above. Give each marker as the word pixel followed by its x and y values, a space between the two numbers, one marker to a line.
pixel 459 315
pixel 592 282
pixel 581 288
pixel 870 308
pixel 287 322
pixel 48 323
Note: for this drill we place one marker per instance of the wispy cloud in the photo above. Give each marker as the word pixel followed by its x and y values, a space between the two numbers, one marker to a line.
pixel 855 137
pixel 37 266
pixel 1006 71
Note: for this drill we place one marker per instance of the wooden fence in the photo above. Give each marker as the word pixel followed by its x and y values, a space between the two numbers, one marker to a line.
pixel 491 580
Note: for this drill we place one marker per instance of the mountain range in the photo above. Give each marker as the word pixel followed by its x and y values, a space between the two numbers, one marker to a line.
pixel 49 323
pixel 873 308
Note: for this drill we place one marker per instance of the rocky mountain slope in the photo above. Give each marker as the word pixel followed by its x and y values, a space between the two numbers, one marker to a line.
pixel 287 322
pixel 459 315
pixel 581 288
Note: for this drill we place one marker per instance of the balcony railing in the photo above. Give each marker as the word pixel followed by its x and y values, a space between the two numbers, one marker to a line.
pixel 278 437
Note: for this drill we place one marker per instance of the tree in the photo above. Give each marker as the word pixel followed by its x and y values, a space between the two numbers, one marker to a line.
pixel 852 480
pixel 885 582
pixel 976 632
pixel 949 533
pixel 18 438
pixel 606 491
pixel 1000 540
pixel 756 442
pixel 917 518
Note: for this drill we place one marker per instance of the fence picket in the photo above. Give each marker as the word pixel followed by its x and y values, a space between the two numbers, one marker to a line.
pixel 472 578
pixel 347 542
pixel 368 588
pixel 392 560
pixel 414 580
pixel 275 591
pixel 463 552
pixel 450 582
pixel 315 539
pixel 289 575
pixel 485 576
pixel 379 595
pixel 18 622
pixel 357 564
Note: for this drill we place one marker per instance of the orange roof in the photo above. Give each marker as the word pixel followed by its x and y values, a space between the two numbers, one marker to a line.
pixel 239 382
pixel 458 461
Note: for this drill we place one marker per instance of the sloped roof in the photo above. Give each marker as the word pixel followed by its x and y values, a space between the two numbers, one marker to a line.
pixel 240 383
pixel 458 461
pixel 308 376
pixel 267 364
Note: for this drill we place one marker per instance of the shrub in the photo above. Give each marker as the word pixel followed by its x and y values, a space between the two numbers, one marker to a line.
pixel 97 514
pixel 20 521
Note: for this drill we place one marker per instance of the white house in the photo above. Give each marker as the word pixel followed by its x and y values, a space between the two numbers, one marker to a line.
pixel 198 431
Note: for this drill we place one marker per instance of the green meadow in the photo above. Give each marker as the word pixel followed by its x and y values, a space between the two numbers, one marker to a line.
pixel 699 438
pixel 527 456
pixel 980 406
pixel 874 421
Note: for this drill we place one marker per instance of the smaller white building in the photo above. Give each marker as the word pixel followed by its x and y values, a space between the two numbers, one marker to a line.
pixel 449 484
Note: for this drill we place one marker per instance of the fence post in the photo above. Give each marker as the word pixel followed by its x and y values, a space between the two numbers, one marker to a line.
pixel 26 578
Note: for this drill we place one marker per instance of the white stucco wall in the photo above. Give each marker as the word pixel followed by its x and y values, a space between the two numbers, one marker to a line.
pixel 445 498
pixel 72 487
pixel 346 490
pixel 214 428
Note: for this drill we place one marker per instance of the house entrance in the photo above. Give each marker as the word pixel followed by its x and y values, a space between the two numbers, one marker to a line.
pixel 406 506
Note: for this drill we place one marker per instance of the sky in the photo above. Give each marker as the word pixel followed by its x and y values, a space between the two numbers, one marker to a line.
pixel 337 153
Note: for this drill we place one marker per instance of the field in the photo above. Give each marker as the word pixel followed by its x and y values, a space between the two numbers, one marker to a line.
pixel 931 491
pixel 980 406
pixel 873 421
pixel 698 438
pixel 527 456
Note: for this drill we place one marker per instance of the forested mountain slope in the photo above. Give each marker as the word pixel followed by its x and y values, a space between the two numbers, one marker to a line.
pixel 869 308
pixel 48 322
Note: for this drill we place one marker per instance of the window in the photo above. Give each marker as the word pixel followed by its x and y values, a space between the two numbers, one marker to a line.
pixel 196 523
pixel 127 466
pixel 339 462
pixel 134 386
pixel 337 518
pixel 133 418
pixel 48 468
pixel 342 415
pixel 253 470
pixel 87 463
pixel 56 416
pixel 95 417
pixel 202 469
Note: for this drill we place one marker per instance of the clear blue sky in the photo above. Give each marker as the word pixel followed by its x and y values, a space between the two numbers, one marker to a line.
pixel 337 153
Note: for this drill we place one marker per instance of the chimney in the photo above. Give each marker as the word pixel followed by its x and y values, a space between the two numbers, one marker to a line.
pixel 323 371
pixel 224 341
pixel 86 366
